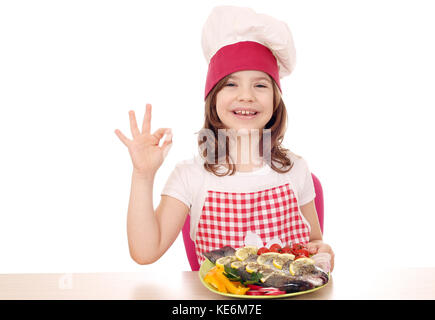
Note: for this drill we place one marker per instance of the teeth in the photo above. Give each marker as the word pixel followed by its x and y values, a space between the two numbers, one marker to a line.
pixel 243 112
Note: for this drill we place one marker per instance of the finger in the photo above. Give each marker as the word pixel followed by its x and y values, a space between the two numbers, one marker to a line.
pixel 133 124
pixel 326 248
pixel 168 139
pixel 166 146
pixel 313 247
pixel 122 137
pixel 146 125
pixel 159 133
pixel 332 259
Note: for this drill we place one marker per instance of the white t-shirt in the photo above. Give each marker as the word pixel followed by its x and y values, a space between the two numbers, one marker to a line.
pixel 189 183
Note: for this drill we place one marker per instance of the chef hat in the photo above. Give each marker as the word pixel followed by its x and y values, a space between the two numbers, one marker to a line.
pixel 235 39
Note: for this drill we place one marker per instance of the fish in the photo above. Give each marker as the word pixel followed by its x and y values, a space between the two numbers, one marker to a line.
pixel 323 261
pixel 307 276
pixel 219 253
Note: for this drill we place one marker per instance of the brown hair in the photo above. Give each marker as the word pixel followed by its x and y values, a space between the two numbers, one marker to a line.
pixel 277 125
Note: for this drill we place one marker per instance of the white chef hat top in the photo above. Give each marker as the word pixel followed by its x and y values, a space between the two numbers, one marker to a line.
pixel 229 25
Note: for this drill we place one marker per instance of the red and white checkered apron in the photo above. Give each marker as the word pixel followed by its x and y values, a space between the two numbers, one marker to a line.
pixel 227 217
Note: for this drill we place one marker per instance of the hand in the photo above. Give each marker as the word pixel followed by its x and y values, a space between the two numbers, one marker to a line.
pixel 318 246
pixel 144 149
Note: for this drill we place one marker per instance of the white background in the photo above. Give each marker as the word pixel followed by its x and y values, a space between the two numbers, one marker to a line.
pixel 360 105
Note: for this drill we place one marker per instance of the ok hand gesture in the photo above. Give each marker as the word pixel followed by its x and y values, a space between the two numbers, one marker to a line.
pixel 145 153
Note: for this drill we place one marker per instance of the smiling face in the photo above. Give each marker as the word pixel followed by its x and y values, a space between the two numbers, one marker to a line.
pixel 246 100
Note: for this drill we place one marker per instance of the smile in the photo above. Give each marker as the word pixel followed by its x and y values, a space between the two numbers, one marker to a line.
pixel 242 114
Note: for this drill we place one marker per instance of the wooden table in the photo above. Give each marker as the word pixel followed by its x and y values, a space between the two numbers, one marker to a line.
pixel 405 283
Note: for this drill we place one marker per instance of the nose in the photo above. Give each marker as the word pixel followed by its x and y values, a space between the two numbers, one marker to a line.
pixel 245 94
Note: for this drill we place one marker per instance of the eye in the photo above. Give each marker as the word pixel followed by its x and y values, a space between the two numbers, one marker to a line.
pixel 261 86
pixel 230 84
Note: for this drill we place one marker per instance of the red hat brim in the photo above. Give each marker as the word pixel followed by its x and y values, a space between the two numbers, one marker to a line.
pixel 245 55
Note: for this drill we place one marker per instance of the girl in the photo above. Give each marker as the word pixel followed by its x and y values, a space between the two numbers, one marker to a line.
pixel 243 187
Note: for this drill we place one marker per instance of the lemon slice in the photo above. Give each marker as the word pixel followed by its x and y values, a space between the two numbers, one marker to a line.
pixel 280 260
pixel 266 273
pixel 253 267
pixel 244 252
pixel 267 257
pixel 298 266
pixel 221 262
pixel 237 264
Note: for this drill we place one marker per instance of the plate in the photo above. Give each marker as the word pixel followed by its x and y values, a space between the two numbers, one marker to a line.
pixel 207 265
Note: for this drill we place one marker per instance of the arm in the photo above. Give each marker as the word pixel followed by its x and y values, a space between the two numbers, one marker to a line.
pixel 316 244
pixel 151 233
pixel 309 212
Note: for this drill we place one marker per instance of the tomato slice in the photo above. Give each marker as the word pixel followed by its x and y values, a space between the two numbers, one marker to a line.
pixel 265 292
pixel 254 287
pixel 262 250
pixel 268 289
pixel 300 256
pixel 302 252
pixel 254 293
pixel 286 249
pixel 296 247
pixel 275 248
pixel 274 293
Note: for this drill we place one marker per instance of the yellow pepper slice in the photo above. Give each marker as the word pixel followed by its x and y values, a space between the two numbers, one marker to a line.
pixel 230 286
pixel 237 283
pixel 211 279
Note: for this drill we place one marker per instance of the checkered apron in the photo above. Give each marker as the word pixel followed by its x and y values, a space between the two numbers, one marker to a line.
pixel 227 217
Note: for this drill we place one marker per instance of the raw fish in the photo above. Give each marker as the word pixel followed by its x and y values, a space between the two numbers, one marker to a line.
pixel 306 278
